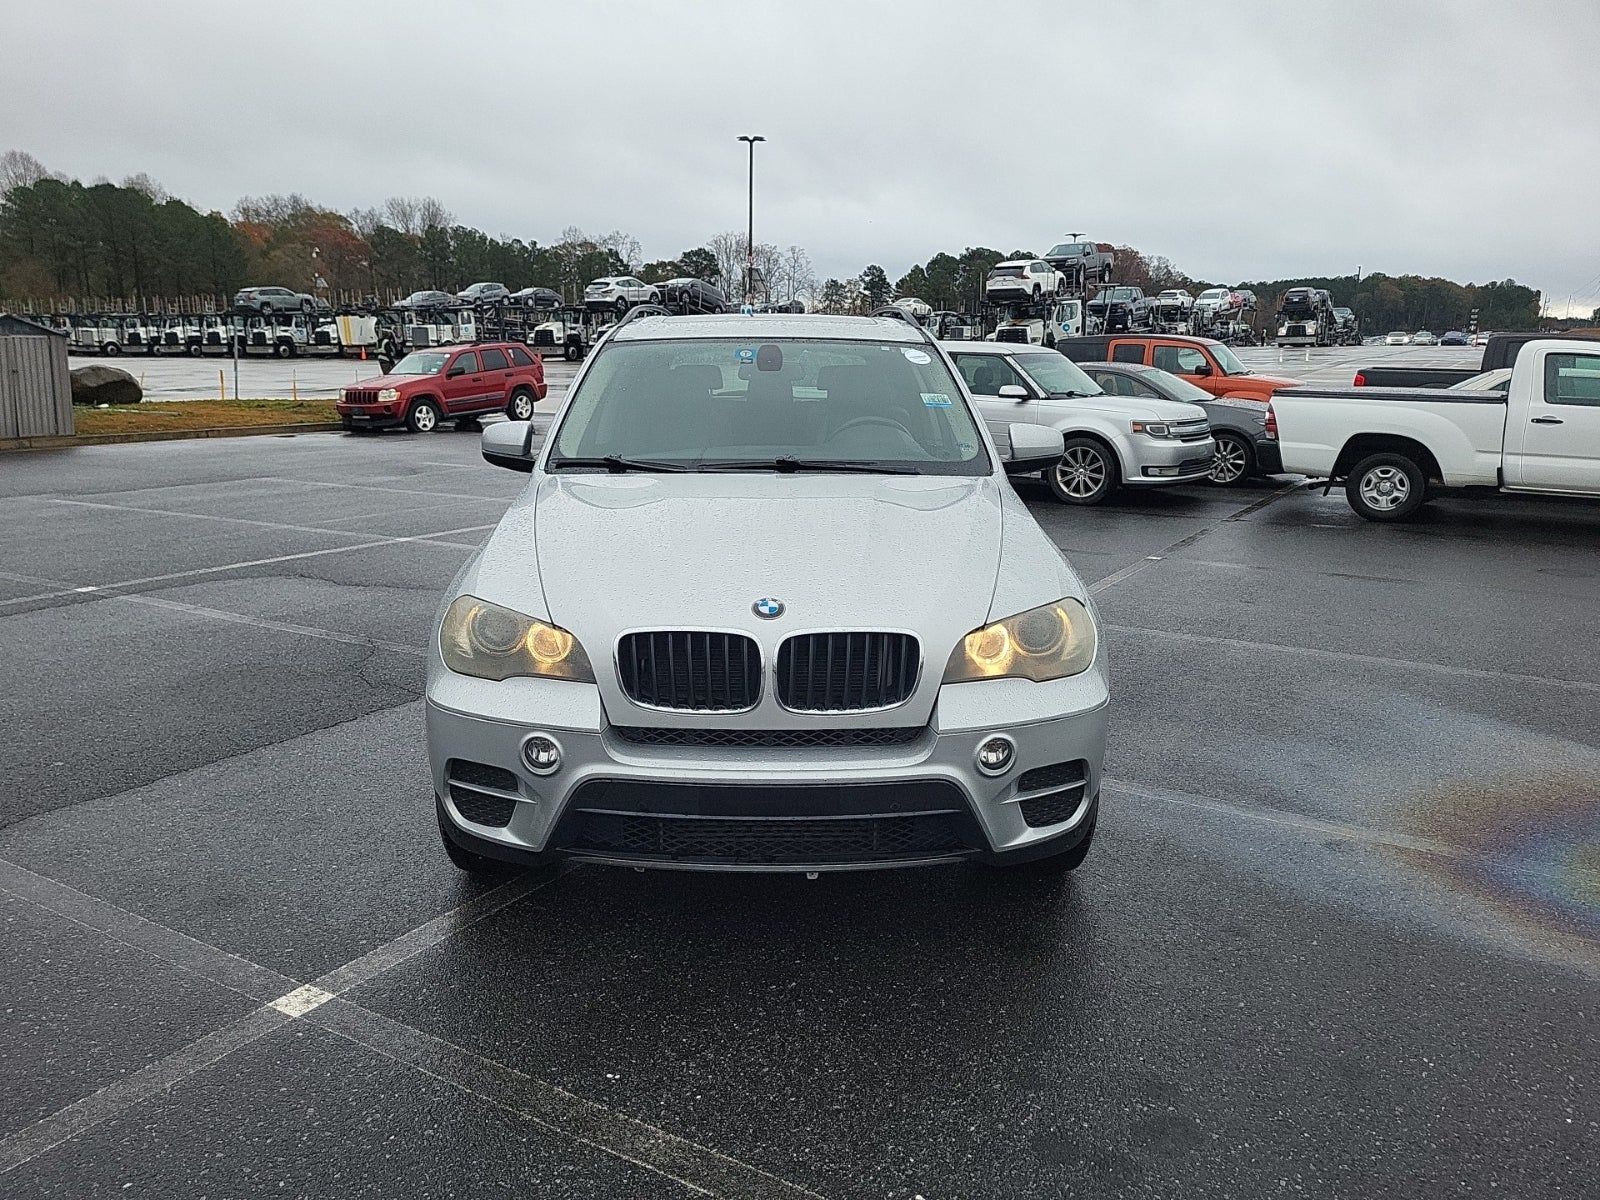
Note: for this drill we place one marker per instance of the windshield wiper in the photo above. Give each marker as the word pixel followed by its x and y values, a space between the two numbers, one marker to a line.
pixel 617 464
pixel 1077 395
pixel 788 464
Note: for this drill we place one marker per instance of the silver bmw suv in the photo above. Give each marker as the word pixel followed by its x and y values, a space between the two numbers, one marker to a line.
pixel 767 603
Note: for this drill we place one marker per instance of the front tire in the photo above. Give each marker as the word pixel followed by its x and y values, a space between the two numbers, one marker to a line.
pixel 1233 462
pixel 520 406
pixel 1086 473
pixel 423 417
pixel 1386 487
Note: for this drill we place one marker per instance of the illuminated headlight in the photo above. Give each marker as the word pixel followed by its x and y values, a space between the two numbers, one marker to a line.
pixel 1049 642
pixel 1155 429
pixel 490 642
pixel 388 395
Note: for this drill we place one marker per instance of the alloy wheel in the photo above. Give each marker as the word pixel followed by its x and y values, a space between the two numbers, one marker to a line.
pixel 1081 472
pixel 1228 463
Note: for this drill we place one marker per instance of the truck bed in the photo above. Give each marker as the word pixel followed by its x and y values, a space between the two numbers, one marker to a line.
pixel 1414 377
pixel 1461 431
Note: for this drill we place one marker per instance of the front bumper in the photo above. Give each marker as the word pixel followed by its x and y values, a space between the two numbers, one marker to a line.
pixel 1163 462
pixel 929 801
pixel 374 415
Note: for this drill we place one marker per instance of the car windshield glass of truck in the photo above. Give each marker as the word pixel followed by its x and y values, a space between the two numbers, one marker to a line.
pixel 1227 360
pixel 1067 250
pixel 724 405
pixel 1057 374
pixel 421 362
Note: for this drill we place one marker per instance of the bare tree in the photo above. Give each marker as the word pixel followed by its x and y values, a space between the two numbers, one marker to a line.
pixel 18 168
pixel 415 215
pixel 149 187
pixel 796 279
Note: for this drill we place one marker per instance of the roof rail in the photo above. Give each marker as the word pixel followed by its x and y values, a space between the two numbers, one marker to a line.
pixel 899 314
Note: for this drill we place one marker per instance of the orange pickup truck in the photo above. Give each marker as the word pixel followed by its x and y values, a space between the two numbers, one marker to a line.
pixel 1204 362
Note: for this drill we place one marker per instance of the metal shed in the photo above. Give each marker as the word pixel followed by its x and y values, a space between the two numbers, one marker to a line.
pixel 35 382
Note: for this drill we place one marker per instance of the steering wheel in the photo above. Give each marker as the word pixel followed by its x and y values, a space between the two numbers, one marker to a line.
pixel 888 422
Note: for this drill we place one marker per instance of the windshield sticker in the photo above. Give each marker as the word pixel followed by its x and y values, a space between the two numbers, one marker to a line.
pixel 916 356
pixel 745 354
pixel 935 400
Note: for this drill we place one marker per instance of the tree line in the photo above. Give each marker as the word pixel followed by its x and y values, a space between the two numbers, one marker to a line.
pixel 63 241
pixel 132 244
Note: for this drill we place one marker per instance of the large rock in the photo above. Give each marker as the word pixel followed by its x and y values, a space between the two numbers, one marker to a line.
pixel 100 384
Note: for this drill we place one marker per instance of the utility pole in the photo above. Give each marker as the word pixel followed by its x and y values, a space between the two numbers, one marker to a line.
pixel 750 235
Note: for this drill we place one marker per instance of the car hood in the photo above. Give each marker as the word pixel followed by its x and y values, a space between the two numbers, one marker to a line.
pixel 626 552
pixel 390 381
pixel 1263 382
pixel 1140 408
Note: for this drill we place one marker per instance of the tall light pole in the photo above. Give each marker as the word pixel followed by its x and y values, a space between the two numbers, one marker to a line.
pixel 750 235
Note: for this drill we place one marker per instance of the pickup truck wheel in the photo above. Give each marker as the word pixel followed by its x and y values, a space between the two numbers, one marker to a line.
pixel 1386 487
pixel 1086 474
pixel 520 406
pixel 1233 462
pixel 422 417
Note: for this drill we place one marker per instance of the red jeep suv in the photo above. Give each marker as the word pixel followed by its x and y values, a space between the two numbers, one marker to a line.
pixel 459 382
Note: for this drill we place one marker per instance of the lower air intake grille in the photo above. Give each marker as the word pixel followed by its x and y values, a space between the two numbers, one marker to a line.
pixel 462 770
pixel 481 808
pixel 1056 775
pixel 1052 808
pixel 690 670
pixel 764 840
pixel 773 739
pixel 844 672
pixel 779 824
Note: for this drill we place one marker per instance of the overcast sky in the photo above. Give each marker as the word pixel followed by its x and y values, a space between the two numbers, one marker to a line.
pixel 1243 141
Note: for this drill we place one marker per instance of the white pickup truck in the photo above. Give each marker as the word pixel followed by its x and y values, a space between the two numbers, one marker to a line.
pixel 1540 435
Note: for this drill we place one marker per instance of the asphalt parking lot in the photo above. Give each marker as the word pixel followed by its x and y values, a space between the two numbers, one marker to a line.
pixel 1339 934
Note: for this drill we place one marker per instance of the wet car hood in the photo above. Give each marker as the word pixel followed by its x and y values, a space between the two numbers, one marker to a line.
pixel 614 553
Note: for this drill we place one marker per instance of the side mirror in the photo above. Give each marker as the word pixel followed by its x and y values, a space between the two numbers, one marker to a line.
pixel 509 444
pixel 1203 369
pixel 454 371
pixel 1012 391
pixel 1033 448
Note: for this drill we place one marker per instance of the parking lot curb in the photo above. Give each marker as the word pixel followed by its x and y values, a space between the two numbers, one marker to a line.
pixel 166 435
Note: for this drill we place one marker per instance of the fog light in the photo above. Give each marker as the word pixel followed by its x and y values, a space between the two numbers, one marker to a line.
pixel 995 754
pixel 542 754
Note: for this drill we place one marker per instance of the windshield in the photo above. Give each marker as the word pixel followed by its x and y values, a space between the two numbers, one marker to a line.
pixel 1178 388
pixel 699 403
pixel 1227 359
pixel 1213 293
pixel 421 362
pixel 1067 250
pixel 1057 374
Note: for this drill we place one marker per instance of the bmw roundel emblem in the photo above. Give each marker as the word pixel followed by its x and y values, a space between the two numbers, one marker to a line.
pixel 768 608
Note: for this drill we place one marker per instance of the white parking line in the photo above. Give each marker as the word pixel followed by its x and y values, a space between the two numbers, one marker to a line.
pixel 697 1167
pixel 65 589
pixel 1351 656
pixel 195 516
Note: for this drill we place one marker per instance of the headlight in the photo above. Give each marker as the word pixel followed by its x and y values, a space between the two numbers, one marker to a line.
pixel 1157 429
pixel 388 395
pixel 490 642
pixel 1049 642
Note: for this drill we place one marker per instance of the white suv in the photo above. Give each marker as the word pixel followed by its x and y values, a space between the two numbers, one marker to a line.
pixel 1022 279
pixel 620 292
